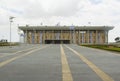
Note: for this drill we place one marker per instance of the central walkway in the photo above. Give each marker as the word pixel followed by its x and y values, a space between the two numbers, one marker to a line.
pixel 58 62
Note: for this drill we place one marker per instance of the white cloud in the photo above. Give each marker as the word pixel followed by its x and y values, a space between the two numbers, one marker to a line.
pixel 51 8
pixel 67 12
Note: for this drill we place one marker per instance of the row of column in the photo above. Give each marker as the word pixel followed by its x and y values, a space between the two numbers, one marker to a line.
pixel 91 37
pixel 76 36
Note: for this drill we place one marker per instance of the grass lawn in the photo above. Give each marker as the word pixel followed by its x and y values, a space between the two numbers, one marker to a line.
pixel 105 47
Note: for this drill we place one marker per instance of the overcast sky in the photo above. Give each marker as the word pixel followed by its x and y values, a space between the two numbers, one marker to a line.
pixel 65 12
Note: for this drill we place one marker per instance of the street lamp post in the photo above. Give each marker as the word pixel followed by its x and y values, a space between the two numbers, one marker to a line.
pixel 11 20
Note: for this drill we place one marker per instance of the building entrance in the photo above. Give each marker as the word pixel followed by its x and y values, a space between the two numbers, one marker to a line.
pixel 57 41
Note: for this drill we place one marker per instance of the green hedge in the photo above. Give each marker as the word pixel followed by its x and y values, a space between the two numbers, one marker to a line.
pixel 104 47
pixel 113 49
pixel 8 44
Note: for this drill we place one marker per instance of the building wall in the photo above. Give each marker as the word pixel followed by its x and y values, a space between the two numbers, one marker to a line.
pixel 78 36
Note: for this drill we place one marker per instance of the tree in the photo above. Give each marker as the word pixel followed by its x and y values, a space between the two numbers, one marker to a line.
pixel 117 39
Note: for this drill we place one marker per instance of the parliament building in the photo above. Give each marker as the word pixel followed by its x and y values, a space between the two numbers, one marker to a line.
pixel 65 34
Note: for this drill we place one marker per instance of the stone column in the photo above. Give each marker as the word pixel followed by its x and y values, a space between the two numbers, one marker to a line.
pixel 44 35
pixel 26 37
pixel 74 38
pixel 61 37
pixel 88 39
pixel 70 36
pixel 96 37
pixel 79 36
pixel 106 37
pixel 53 35
pixel 35 37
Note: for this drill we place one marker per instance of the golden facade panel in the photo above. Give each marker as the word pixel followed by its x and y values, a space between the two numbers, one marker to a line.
pixel 78 35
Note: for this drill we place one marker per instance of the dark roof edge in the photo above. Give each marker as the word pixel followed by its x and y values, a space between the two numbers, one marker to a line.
pixel 66 27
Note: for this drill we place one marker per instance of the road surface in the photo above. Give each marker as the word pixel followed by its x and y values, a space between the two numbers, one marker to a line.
pixel 58 62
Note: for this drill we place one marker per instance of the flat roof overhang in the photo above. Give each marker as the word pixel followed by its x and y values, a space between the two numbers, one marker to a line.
pixel 65 28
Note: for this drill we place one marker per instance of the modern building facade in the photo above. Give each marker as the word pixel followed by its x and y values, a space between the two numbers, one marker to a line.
pixel 65 34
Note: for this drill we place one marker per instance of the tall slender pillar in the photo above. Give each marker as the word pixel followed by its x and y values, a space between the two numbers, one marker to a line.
pixel 41 37
pixel 106 37
pixel 70 36
pixel 74 34
pixel 35 37
pixel 44 35
pixel 79 36
pixel 96 41
pixel 26 37
pixel 61 36
pixel 88 39
pixel 53 35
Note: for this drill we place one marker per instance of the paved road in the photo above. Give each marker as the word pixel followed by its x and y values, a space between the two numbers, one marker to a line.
pixel 58 63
